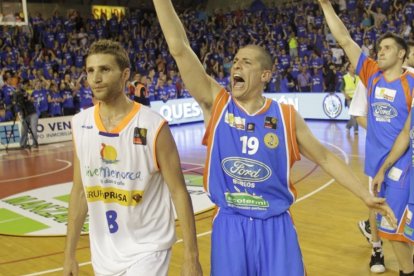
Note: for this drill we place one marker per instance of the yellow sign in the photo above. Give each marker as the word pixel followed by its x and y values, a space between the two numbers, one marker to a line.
pixel 113 195
pixel 108 11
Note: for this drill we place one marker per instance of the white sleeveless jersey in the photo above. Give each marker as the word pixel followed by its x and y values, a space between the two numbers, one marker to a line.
pixel 130 209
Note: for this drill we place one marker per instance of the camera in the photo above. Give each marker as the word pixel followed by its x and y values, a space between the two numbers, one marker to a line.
pixel 21 102
pixel 19 98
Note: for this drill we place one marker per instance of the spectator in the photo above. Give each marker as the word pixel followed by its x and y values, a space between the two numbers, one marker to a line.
pixel 40 98
pixel 350 82
pixel 304 80
pixel 293 45
pixel 141 94
pixel 337 54
pixel 55 100
pixel 287 83
pixel 67 89
pixel 379 17
pixel 27 113
pixel 7 92
pixel 85 94
pixel 317 83
pixel 161 89
pixel 330 78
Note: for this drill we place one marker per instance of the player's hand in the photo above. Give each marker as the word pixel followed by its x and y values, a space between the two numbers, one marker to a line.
pixel 70 267
pixel 191 268
pixel 377 182
pixel 379 205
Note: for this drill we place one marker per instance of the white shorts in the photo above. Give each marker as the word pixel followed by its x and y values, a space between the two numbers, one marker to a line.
pixel 149 264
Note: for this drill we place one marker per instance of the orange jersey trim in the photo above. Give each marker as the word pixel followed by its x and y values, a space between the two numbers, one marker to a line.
pixel 393 237
pixel 370 67
pixel 262 110
pixel 154 151
pixel 398 235
pixel 136 107
pixel 290 124
pixel 289 121
pixel 407 92
pixel 218 106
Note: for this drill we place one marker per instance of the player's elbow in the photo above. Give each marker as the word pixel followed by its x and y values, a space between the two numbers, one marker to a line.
pixel 344 40
pixel 177 46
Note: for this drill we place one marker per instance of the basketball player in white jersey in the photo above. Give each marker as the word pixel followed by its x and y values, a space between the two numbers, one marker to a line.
pixel 126 170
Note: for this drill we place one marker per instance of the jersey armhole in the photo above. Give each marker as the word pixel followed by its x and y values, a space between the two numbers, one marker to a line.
pixel 290 124
pixel 154 145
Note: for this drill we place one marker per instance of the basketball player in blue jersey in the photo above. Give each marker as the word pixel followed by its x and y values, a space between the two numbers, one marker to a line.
pixel 389 88
pixel 126 171
pixel 399 148
pixel 252 143
pixel 359 109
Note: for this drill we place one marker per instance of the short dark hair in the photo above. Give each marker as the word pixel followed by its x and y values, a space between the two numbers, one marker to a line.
pixel 265 58
pixel 106 46
pixel 398 39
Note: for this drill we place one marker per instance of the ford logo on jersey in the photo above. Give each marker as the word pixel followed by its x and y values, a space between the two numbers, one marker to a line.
pixel 245 169
pixel 384 110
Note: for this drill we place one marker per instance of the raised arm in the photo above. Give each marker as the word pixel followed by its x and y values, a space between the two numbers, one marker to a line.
pixel 312 149
pixel 340 32
pixel 200 85
pixel 369 10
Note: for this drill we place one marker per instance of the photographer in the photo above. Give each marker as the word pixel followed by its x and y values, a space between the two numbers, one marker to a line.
pixel 26 110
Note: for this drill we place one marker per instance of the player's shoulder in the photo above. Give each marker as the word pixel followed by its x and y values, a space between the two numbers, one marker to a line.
pixel 408 75
pixel 410 70
pixel 84 115
pixel 148 115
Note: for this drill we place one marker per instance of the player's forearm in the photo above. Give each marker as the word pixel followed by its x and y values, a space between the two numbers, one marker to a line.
pixel 184 208
pixel 344 176
pixel 76 218
pixel 362 121
pixel 171 26
pixel 398 149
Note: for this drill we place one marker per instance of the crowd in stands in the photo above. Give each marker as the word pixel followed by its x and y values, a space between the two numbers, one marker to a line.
pixel 50 52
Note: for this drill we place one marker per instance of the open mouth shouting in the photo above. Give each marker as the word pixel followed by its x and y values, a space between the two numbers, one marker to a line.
pixel 238 81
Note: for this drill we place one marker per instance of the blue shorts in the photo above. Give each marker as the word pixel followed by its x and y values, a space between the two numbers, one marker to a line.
pixel 409 223
pixel 243 246
pixel 408 217
pixel 396 195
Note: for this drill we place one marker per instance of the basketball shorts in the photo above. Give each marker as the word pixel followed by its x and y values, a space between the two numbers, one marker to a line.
pixel 396 194
pixel 409 223
pixel 245 246
pixel 149 264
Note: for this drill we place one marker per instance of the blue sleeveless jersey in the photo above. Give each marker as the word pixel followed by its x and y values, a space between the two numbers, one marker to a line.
pixel 389 103
pixel 249 158
pixel 411 153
